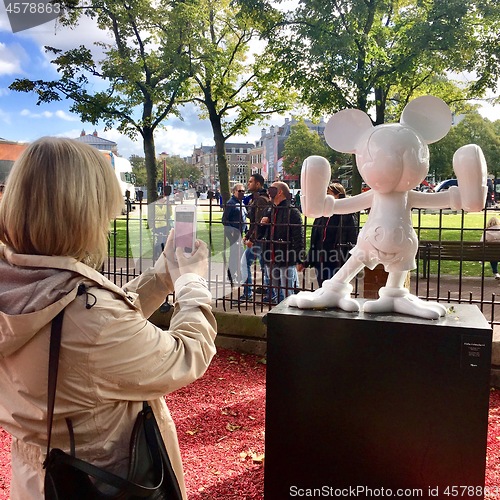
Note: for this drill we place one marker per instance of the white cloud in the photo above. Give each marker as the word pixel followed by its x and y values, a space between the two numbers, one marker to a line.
pixel 63 115
pixel 11 58
pixel 5 117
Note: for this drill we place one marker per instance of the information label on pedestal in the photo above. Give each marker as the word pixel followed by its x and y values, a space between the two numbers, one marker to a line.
pixel 475 353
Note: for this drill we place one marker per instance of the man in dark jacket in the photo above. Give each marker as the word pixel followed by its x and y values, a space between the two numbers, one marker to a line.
pixel 283 244
pixel 259 202
pixel 233 218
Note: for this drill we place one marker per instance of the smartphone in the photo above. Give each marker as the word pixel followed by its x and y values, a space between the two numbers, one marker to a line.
pixel 185 228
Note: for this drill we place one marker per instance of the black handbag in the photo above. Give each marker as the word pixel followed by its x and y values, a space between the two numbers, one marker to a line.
pixel 150 472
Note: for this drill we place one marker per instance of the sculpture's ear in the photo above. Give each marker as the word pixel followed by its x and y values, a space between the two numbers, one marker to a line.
pixel 429 116
pixel 345 128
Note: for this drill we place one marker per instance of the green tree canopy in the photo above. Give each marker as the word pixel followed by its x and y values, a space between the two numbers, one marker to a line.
pixel 369 54
pixel 138 80
pixel 139 169
pixel 301 143
pixel 472 129
pixel 233 87
pixel 178 169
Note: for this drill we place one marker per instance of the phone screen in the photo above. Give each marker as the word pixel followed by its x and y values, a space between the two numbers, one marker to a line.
pixel 185 227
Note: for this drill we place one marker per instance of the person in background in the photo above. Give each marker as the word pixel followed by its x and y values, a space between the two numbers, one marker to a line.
pixel 112 358
pixel 233 219
pixel 297 200
pixel 259 202
pixel 331 239
pixel 283 243
pixel 492 233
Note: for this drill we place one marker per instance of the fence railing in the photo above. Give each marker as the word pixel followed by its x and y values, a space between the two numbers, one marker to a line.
pixel 447 269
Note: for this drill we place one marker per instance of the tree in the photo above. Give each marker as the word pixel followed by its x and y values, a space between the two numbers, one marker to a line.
pixel 300 144
pixel 233 88
pixel 139 169
pixel 369 54
pixel 178 169
pixel 143 74
pixel 472 129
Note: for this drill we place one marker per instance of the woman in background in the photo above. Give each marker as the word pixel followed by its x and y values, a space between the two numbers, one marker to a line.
pixel 492 233
pixel 331 239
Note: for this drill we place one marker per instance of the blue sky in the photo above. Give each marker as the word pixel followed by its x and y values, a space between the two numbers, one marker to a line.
pixel 22 56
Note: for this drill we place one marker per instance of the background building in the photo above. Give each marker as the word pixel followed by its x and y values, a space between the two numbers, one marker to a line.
pixel 9 152
pixel 98 142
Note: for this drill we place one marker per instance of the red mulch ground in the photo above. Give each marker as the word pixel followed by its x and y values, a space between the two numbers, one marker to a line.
pixel 220 423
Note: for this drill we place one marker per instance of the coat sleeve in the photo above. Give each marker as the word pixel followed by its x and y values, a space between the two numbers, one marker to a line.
pixel 133 359
pixel 151 287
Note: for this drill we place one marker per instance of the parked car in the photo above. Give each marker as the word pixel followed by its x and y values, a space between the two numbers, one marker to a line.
pixel 445 185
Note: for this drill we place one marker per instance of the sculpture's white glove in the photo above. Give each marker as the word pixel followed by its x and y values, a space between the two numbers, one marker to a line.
pixel 314 180
pixel 470 168
pixel 177 262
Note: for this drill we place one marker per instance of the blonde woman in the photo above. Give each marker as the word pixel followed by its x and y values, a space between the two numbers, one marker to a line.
pixel 492 233
pixel 54 221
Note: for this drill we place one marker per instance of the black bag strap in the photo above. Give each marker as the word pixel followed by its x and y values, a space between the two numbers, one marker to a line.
pixel 150 426
pixel 55 347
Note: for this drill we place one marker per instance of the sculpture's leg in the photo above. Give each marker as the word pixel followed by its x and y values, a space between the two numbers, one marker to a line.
pixel 335 292
pixel 394 297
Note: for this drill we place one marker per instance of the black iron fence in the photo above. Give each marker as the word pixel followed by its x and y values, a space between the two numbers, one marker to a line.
pixel 455 261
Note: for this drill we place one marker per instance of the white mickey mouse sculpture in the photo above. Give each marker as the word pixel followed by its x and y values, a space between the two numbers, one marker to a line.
pixel 392 159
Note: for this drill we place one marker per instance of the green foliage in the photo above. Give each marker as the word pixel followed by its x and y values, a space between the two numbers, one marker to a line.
pixel 178 169
pixel 139 169
pixel 139 76
pixel 365 55
pixel 472 129
pixel 301 143
pixel 359 54
pixel 233 86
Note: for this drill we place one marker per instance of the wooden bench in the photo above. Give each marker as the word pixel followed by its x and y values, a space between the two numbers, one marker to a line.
pixel 456 251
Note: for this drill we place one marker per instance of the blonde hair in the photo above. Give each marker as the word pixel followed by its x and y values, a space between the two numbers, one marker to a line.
pixel 493 221
pixel 59 199
pixel 337 188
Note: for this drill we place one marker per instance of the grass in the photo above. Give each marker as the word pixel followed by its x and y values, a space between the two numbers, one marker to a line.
pixel 428 226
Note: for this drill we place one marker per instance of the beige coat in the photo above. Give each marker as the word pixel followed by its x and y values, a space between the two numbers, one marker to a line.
pixel 111 359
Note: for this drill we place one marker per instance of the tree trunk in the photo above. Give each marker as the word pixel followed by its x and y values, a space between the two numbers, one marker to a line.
pixel 150 161
pixel 220 148
pixel 356 177
pixel 380 101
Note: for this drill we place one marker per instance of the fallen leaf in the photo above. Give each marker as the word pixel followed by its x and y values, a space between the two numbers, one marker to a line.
pixel 232 427
pixel 258 457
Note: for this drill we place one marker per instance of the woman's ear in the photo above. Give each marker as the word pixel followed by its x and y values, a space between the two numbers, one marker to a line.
pixel 344 129
pixel 429 116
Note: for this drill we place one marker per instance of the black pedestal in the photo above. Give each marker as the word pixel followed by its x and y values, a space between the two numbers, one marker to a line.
pixel 376 401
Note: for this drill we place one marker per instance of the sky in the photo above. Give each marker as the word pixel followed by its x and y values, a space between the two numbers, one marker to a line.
pixel 22 56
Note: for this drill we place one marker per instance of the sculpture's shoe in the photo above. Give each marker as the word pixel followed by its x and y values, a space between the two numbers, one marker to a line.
pixel 400 300
pixel 330 295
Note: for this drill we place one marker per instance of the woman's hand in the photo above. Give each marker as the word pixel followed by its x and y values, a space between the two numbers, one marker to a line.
pixel 178 263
